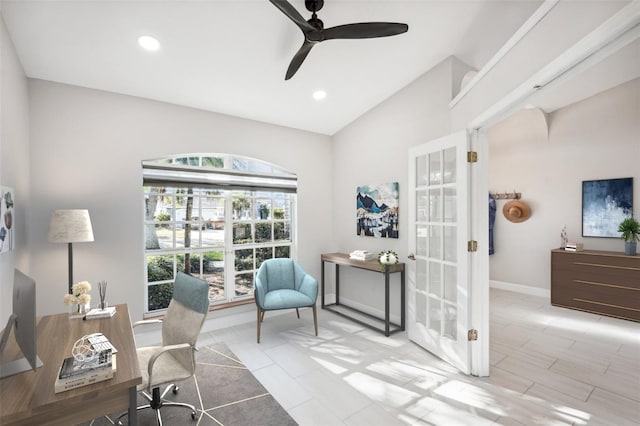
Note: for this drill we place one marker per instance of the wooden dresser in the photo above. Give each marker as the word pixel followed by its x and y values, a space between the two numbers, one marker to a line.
pixel 602 282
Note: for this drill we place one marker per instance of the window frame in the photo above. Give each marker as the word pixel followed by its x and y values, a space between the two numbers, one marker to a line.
pixel 275 197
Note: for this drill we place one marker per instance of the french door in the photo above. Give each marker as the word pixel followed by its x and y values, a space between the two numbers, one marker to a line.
pixel 439 276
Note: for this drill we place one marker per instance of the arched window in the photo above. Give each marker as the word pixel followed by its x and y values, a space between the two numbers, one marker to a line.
pixel 217 217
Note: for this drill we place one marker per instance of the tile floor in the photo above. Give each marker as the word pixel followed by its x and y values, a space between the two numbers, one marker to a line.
pixel 549 366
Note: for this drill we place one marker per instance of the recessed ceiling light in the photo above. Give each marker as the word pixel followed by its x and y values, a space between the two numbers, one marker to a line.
pixel 319 95
pixel 149 43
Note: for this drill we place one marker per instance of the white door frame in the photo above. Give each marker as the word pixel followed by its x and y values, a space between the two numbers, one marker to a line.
pixel 612 35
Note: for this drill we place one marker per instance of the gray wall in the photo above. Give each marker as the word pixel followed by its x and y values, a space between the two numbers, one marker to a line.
pixel 86 149
pixel 14 164
pixel 373 150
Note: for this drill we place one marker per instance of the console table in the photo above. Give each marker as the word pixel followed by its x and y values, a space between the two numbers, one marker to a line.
pixel 606 283
pixel 339 259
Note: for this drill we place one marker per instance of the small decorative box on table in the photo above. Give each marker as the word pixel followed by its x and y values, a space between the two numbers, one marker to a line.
pixel 371 265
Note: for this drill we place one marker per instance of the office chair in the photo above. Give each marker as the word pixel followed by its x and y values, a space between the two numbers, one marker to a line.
pixel 175 359
pixel 283 284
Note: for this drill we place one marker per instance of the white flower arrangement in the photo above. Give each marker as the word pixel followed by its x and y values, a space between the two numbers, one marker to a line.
pixel 80 295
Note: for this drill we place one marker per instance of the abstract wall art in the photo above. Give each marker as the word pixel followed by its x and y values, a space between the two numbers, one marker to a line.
pixel 377 210
pixel 7 219
pixel 605 203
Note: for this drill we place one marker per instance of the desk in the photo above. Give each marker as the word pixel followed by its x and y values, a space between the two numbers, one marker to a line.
pixel 371 265
pixel 28 398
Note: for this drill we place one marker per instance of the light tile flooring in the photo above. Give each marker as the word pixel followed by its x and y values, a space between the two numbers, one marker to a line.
pixel 549 366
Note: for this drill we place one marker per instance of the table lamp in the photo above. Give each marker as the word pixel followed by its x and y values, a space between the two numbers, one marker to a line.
pixel 70 226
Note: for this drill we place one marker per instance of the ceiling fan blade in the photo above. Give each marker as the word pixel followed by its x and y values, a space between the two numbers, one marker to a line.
pixel 298 59
pixel 364 30
pixel 291 13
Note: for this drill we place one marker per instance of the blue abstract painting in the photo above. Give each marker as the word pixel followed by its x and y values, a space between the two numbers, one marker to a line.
pixel 605 203
pixel 377 210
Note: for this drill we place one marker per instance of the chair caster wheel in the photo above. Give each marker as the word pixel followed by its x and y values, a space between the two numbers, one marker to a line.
pixel 175 390
pixel 193 415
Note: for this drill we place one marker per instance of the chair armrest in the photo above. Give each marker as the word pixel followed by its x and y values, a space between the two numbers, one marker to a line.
pixel 145 322
pixel 165 350
pixel 309 287
pixel 260 292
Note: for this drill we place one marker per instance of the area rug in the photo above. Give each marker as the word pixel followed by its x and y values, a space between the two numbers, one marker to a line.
pixel 224 392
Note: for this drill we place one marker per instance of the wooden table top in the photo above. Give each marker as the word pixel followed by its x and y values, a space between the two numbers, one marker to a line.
pixel 371 265
pixel 31 393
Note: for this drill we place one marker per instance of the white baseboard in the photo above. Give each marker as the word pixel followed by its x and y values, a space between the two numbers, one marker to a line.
pixel 331 298
pixel 519 288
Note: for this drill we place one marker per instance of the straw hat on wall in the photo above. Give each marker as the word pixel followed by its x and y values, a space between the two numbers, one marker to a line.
pixel 516 211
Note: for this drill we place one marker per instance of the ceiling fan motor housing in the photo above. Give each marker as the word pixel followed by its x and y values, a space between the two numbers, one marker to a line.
pixel 313 5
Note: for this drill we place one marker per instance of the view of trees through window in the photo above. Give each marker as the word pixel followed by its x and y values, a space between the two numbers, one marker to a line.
pixel 219 235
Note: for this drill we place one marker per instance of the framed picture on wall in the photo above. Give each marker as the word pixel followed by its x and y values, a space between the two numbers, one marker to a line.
pixel 605 203
pixel 7 219
pixel 377 210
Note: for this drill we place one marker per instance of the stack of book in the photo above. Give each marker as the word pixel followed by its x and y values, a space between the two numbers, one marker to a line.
pixel 74 374
pixel 361 255
pixel 574 247
pixel 98 313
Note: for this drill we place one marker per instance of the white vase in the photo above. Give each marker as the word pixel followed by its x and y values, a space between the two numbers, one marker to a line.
pixel 388 259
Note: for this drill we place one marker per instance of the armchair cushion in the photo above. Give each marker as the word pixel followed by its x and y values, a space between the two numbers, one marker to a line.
pixel 286 299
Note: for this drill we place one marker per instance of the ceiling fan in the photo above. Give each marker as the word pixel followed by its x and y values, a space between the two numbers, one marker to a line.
pixel 314 31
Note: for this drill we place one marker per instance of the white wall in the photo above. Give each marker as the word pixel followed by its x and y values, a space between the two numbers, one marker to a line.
pixel 373 150
pixel 597 138
pixel 14 164
pixel 86 149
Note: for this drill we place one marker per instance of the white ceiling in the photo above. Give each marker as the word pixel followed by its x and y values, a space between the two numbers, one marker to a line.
pixel 231 56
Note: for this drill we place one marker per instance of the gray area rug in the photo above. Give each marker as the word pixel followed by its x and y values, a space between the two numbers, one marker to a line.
pixel 223 391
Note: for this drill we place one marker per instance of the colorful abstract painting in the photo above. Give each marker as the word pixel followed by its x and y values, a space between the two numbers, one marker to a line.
pixel 7 219
pixel 377 210
pixel 605 203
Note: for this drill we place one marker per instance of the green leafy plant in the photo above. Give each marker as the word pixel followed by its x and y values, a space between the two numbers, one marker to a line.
pixel 630 229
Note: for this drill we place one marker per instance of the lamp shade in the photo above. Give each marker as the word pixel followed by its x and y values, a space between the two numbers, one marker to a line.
pixel 70 226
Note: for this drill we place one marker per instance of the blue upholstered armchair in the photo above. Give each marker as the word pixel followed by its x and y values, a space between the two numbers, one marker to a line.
pixel 283 284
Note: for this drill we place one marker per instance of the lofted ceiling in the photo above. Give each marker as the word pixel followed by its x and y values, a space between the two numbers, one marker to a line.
pixel 231 56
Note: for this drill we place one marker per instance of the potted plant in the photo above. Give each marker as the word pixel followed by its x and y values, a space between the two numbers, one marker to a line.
pixel 388 257
pixel 630 229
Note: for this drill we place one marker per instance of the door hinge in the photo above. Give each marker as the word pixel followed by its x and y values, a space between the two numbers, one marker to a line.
pixel 472 334
pixel 472 246
pixel 472 157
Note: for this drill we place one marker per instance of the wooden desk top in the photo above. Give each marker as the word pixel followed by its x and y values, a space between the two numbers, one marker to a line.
pixel 29 397
pixel 371 265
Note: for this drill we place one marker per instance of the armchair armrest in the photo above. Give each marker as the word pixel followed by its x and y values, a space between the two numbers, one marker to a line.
pixel 260 292
pixel 309 287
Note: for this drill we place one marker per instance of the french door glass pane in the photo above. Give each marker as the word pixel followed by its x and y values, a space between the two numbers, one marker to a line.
pixel 421 275
pixel 421 206
pixel 435 279
pixel 421 170
pixel 435 320
pixel 450 321
pixel 421 308
pixel 421 240
pixel 450 246
pixel 449 165
pixel 435 174
pixel 435 205
pixel 450 207
pixel 435 242
pixel 450 283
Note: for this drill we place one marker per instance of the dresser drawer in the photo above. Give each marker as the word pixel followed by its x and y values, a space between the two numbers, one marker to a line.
pixel 600 282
